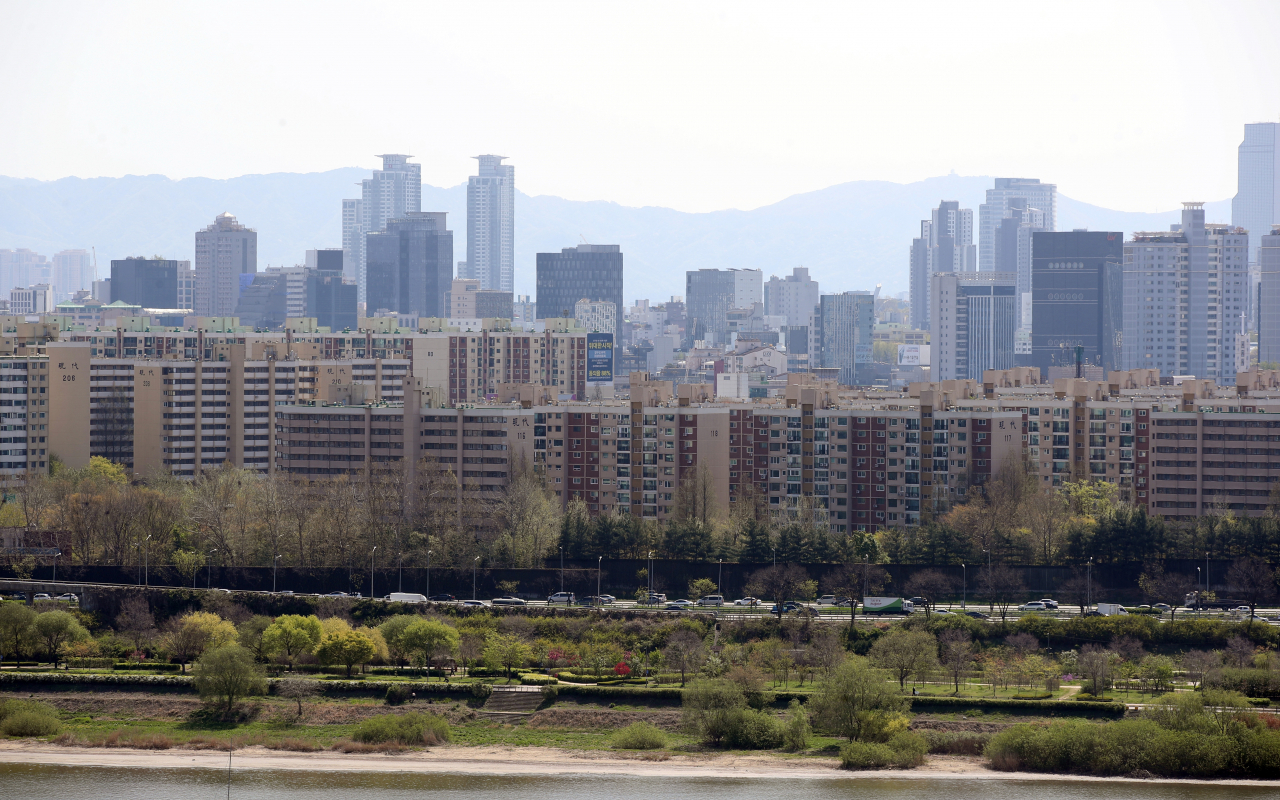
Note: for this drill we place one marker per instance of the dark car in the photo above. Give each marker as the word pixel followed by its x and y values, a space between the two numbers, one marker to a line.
pixel 18 596
pixel 1094 614
pixel 442 598
pixel 787 607
pixel 977 615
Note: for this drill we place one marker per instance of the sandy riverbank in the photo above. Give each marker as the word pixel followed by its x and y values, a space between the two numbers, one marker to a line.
pixel 531 761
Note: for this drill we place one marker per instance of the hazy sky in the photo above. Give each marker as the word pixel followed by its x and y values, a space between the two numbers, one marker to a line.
pixel 695 106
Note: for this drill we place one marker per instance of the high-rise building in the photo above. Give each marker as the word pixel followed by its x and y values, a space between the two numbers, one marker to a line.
pixel 1043 196
pixel 149 282
pixel 264 303
pixel 36 299
pixel 1256 206
pixel 491 231
pixel 974 318
pixel 945 245
pixel 22 267
pixel 710 293
pixel 224 251
pixel 409 265
pixel 596 316
pixel 585 272
pixel 331 300
pixel 1078 280
pixel 72 272
pixel 793 296
pixel 392 192
pixel 1185 298
pixel 1269 305
pixel 1013 248
pixel 848 322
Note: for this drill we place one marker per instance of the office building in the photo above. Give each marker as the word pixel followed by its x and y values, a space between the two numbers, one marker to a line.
pixel 1256 206
pixel 224 251
pixel 329 259
pixel 1186 297
pixel 331 300
pixel 491 232
pixel 36 299
pixel 73 272
pixel 1013 248
pixel 1269 299
pixel 588 271
pixel 848 321
pixel 150 282
pixel 793 296
pixel 945 245
pixel 1078 280
pixel 264 303
pixel 974 318
pixel 710 293
pixel 1043 196
pixel 22 267
pixel 409 265
pixel 392 192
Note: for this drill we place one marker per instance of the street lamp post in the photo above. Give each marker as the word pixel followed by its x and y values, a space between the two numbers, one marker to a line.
pixel 428 574
pixel 275 562
pixel 1199 597
pixel 55 570
pixel 146 562
pixel 599 561
pixel 400 563
pixel 648 600
pixel 371 555
pixel 1088 599
pixel 474 564
pixel 964 596
pixel 562 570
pixel 720 577
pixel 208 575
pixel 775 556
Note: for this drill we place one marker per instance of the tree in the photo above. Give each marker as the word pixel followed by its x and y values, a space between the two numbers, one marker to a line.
pixel 16 622
pixel 781 582
pixel 347 648
pixel 1164 587
pixel 530 518
pixel 393 634
pixel 932 585
pixel 1095 663
pixel 506 651
pixel 136 622
pixel 684 652
pixel 701 587
pixel 712 709
pixel 856 581
pixel 956 651
pixel 251 635
pixel 428 639
pixel 1075 591
pixel 1200 665
pixel 1046 517
pixel 1254 579
pixel 188 564
pixel 905 653
pixel 226 674
pixel 1002 587
pixel 55 629
pixel 292 635
pixel 297 689
pixel 856 701
pixel 757 542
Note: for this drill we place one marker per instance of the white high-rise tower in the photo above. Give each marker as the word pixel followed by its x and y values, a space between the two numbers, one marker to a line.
pixel 491 230
pixel 390 193
pixel 1042 196
pixel 1256 206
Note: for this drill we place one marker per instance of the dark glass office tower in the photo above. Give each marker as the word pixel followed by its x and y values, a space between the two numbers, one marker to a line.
pixel 1077 288
pixel 409 266
pixel 146 282
pixel 585 272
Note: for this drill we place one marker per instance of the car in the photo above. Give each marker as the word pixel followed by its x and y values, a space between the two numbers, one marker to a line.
pixel 943 611
pixel 285 592
pixel 711 600
pixel 1162 607
pixel 1035 605
pixel 832 600
pixel 1050 603
pixel 473 603
pixel 787 607
pixel 508 600
pixel 746 601
pixel 657 597
pixel 68 597
pixel 41 596
pixel 919 601
pixel 977 615
pixel 336 594
pixel 223 591
pixel 1094 614
pixel 18 596
pixel 561 597
pixel 682 603
pixel 1237 609
pixel 674 607
pixel 607 599
pixel 442 598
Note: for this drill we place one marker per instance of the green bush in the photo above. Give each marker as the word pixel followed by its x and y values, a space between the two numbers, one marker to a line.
pixel 640 736
pixel 406 729
pixel 956 744
pixel 482 690
pixel 397 694
pixel 28 718
pixel 550 693
pixel 796 730
pixel 139 665
pixel 531 679
pixel 1251 682
pixel 904 751
pixel 754 730
pixel 1037 707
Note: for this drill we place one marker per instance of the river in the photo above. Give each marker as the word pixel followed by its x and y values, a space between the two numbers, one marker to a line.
pixel 43 782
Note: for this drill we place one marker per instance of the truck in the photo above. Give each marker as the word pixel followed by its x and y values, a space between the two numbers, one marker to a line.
pixel 1112 610
pixel 886 605
pixel 406 597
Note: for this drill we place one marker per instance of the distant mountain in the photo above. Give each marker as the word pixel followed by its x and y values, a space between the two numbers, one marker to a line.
pixel 851 236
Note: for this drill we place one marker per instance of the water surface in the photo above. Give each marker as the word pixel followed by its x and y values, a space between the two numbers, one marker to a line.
pixel 41 782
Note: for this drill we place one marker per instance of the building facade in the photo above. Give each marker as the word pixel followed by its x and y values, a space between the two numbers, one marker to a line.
pixel 1256 206
pixel 1077 296
pixel 588 271
pixel 392 192
pixel 491 230
pixel 1185 299
pixel 73 271
pixel 974 318
pixel 409 265
pixel 1269 305
pixel 848 321
pixel 710 293
pixel 945 245
pixel 793 296
pixel 224 251
pixel 1013 245
pixel 1042 196
pixel 149 282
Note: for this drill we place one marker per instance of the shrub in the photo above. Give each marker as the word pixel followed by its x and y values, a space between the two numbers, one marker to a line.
pixel 956 744
pixel 226 675
pixel 531 679
pixel 397 694
pixel 151 665
pixel 755 730
pixel 406 729
pixel 27 718
pixel 482 690
pixel 712 709
pixel 640 736
pixel 550 693
pixel 796 730
pixel 904 751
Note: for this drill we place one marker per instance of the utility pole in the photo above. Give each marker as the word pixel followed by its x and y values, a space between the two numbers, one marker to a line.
pixel 275 563
pixel 428 574
pixel 146 569
pixel 964 596
pixel 371 555
pixel 599 561
pixel 474 564
pixel 208 575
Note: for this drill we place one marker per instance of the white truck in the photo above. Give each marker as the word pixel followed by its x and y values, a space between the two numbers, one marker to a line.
pixel 406 597
pixel 886 605
pixel 1112 610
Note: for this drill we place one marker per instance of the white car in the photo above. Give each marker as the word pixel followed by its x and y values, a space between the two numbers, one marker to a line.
pixel 681 603
pixel 1034 606
pixel 561 597
pixel 746 601
pixel 68 597
pixel 711 600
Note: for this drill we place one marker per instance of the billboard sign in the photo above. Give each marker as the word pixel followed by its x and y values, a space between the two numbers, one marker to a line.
pixel 599 358
pixel 908 355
